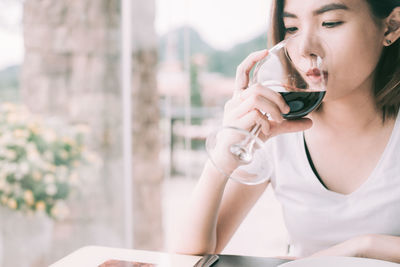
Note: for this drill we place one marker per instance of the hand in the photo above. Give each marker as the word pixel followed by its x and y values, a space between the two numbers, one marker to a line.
pixel 243 110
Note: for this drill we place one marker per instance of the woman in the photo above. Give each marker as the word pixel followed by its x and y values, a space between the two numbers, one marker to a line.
pixel 336 172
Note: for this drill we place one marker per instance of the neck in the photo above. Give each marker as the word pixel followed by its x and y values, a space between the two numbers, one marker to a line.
pixel 354 113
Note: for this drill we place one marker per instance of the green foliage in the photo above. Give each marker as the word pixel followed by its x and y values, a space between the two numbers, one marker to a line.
pixel 9 83
pixel 197 45
pixel 38 167
pixel 9 77
pixel 195 91
pixel 224 62
pixel 195 94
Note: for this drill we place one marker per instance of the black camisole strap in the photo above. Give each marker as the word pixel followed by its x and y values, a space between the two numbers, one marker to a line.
pixel 312 164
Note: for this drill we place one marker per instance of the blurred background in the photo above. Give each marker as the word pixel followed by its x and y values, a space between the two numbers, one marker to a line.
pixel 104 113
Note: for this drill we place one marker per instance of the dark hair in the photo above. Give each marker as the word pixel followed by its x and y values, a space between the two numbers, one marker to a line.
pixel 387 73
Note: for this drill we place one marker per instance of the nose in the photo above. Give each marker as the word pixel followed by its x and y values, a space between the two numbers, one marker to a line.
pixel 307 50
pixel 310 46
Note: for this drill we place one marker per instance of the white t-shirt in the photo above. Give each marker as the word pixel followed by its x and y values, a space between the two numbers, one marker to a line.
pixel 317 218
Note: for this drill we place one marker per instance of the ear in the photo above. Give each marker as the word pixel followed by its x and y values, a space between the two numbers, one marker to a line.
pixel 392 27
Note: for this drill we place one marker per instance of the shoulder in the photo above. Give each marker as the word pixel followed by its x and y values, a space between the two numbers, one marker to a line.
pixel 284 146
pixel 286 141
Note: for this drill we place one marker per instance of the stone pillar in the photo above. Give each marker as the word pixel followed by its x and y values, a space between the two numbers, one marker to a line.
pixel 72 71
pixel 147 171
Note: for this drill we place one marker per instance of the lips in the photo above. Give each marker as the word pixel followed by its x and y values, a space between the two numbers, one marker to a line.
pixel 313 72
pixel 316 75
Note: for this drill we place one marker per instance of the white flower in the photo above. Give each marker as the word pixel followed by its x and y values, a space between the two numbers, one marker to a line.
pixel 93 158
pixel 48 155
pixel 61 173
pixel 7 138
pixel 3 173
pixel 20 142
pixel 40 206
pixel 10 154
pixel 10 107
pixel 51 189
pixel 12 204
pixel 6 188
pixel 3 184
pixel 36 175
pixel 4 199
pixel 49 178
pixel 18 175
pixel 29 197
pixel 50 167
pixel 62 178
pixel 31 148
pixel 16 125
pixel 17 190
pixel 11 167
pixel 12 118
pixel 33 157
pixel 74 179
pixel 63 154
pixel 60 210
pixel 32 153
pixel 82 129
pixel 24 168
pixel 39 163
pixel 61 170
pixel 49 136
pixel 21 134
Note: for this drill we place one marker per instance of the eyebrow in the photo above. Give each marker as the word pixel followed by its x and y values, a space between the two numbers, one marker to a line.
pixel 321 10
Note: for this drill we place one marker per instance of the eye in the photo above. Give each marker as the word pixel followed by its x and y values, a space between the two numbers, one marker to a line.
pixel 332 24
pixel 290 30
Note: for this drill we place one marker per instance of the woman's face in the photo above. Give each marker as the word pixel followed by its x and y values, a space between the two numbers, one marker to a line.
pixel 342 32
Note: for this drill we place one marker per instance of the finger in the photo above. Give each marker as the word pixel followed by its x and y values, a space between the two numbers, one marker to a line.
pixel 269 94
pixel 251 118
pixel 260 103
pixel 244 68
pixel 265 130
pixel 230 106
pixel 290 126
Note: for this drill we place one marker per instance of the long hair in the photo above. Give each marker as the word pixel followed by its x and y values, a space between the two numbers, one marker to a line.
pixel 387 73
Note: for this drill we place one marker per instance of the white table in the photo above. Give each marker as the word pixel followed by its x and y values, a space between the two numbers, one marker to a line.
pixel 94 256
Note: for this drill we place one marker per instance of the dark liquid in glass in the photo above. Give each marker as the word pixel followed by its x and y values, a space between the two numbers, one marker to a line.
pixel 301 103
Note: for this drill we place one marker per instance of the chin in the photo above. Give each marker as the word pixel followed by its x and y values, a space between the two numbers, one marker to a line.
pixel 332 97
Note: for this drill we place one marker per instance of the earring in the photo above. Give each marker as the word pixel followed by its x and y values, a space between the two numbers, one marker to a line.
pixel 389 42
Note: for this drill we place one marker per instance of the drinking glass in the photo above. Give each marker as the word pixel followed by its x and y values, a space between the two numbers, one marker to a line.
pixel 300 79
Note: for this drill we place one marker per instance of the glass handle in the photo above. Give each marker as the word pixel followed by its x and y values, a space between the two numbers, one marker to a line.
pixel 244 150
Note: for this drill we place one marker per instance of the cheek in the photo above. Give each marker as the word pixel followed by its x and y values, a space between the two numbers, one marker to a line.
pixel 353 63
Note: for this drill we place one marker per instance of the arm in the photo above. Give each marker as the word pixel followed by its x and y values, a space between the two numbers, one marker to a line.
pixel 374 246
pixel 216 209
pixel 219 205
pixel 382 247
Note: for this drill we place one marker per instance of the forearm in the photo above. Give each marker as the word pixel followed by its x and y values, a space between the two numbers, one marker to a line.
pixel 197 229
pixel 374 246
pixel 382 247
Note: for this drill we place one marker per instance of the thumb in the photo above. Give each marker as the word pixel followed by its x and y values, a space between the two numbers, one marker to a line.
pixel 291 126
